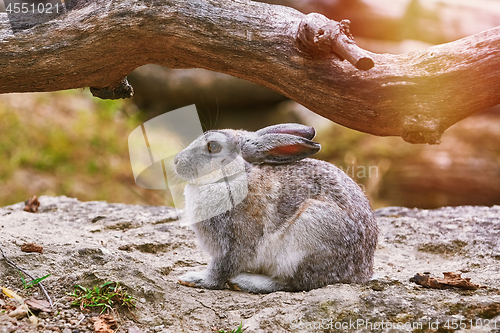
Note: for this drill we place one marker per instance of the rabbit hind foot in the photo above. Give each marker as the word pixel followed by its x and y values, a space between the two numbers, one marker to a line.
pixel 254 283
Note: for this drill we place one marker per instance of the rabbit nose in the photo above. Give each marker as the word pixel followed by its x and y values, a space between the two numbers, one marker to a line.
pixel 176 159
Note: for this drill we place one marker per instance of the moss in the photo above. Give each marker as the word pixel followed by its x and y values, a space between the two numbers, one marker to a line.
pixel 487 311
pixel 404 318
pixel 68 143
pixel 454 308
pixel 473 311
pixel 453 247
pixel 348 315
pixel 326 305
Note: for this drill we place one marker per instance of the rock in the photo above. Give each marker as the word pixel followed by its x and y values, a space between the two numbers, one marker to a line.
pixel 134 329
pixel 34 321
pixel 461 239
pixel 20 312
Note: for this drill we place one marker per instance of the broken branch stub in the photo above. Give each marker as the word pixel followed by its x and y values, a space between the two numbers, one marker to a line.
pixel 319 36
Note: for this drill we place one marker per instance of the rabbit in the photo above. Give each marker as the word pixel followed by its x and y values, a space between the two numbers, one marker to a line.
pixel 271 218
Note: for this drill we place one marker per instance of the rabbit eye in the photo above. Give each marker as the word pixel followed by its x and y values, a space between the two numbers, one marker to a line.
pixel 214 147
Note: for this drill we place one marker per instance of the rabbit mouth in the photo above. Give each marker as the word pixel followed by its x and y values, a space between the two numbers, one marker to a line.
pixel 186 173
pixel 215 173
pixel 216 176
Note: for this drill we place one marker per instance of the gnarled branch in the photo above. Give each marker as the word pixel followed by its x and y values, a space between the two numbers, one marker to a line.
pixel 96 44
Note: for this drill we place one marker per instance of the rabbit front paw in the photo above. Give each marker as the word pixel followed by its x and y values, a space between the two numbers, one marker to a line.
pixel 199 280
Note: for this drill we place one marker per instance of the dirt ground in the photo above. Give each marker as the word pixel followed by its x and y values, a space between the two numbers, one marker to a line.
pixel 143 248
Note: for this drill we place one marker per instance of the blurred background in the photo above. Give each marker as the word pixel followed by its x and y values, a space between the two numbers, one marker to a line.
pixel 70 143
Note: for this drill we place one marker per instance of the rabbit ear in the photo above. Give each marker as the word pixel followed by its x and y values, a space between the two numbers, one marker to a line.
pixel 291 128
pixel 277 148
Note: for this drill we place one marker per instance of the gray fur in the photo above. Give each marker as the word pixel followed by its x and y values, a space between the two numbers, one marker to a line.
pixel 296 226
pixel 257 150
pixel 293 129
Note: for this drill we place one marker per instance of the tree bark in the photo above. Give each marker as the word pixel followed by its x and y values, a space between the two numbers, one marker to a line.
pixel 96 44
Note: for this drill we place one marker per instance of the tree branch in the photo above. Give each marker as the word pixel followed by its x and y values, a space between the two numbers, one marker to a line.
pixel 416 95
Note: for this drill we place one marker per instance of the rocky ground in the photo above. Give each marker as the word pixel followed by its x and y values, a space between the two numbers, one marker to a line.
pixel 143 248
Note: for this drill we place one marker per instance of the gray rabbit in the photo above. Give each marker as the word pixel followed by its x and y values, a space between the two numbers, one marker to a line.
pixel 271 218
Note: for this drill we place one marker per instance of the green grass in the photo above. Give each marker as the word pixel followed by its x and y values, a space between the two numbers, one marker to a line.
pixel 68 143
pixel 105 297
pixel 238 329
pixel 32 283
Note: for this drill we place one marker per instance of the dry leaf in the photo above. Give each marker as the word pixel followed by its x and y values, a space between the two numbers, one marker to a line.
pixel 31 205
pixel 30 247
pixel 104 324
pixel 9 293
pixel 38 305
pixel 451 280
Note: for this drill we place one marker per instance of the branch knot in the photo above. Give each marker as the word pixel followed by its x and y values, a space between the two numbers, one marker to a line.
pixel 344 28
pixel 422 129
pixel 122 90
pixel 319 36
